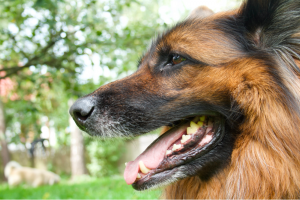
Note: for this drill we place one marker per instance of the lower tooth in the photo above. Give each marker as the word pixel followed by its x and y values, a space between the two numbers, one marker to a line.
pixel 185 138
pixel 168 152
pixel 143 168
pixel 191 130
pixel 175 147
pixel 138 175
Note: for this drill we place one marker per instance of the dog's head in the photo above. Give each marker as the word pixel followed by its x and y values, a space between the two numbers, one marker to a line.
pixel 215 81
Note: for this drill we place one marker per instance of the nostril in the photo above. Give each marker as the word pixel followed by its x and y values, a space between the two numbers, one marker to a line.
pixel 82 109
pixel 83 115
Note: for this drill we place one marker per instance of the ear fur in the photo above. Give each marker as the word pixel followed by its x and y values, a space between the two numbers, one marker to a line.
pixel 271 22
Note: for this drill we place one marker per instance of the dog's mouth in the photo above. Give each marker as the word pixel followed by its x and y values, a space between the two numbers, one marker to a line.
pixel 182 144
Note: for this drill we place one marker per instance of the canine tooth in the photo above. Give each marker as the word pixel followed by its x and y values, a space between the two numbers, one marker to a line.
pixel 143 168
pixel 175 147
pixel 185 138
pixel 138 175
pixel 126 164
pixel 200 123
pixel 202 118
pixel 168 152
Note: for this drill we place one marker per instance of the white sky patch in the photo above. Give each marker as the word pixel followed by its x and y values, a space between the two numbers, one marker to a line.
pixel 175 11
pixel 15 147
pixel 93 68
pixel 215 5
pixel 31 22
pixel 124 21
pixel 80 37
pixel 59 48
pixel 13 29
pixel 44 69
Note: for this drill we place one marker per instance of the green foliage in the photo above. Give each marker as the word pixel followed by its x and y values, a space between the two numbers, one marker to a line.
pixel 47 46
pixel 104 156
pixel 104 188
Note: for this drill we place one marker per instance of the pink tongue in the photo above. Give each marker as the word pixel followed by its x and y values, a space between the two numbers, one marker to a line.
pixel 154 154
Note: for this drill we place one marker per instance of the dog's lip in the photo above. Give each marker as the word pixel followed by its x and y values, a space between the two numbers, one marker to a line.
pixel 161 173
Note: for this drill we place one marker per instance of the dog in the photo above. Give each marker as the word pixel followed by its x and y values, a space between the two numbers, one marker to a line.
pixel 16 174
pixel 228 87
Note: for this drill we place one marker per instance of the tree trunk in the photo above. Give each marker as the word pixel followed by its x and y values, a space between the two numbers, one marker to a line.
pixel 78 166
pixel 4 150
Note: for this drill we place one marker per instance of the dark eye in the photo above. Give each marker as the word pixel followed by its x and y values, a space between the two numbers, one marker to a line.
pixel 176 59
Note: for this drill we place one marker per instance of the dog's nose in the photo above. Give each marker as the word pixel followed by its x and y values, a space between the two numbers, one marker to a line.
pixel 82 109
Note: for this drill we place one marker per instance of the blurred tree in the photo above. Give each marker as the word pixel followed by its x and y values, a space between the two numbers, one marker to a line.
pixel 56 50
pixel 78 166
pixel 4 150
pixel 105 156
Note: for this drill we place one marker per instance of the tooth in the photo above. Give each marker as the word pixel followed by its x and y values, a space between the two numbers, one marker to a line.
pixel 185 138
pixel 194 125
pixel 138 175
pixel 126 164
pixel 191 130
pixel 202 118
pixel 168 152
pixel 143 168
pixel 200 123
pixel 175 147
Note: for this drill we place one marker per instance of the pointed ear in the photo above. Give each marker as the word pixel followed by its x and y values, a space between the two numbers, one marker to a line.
pixel 200 12
pixel 270 23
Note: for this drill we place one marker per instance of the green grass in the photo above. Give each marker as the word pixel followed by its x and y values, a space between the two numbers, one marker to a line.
pixel 105 188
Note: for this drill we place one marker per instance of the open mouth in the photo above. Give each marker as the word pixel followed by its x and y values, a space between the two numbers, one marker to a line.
pixel 179 146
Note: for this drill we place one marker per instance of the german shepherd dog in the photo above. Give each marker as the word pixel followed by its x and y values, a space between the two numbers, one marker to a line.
pixel 228 87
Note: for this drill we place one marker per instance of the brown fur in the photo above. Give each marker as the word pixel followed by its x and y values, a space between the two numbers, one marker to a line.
pixel 266 159
pixel 238 64
pixel 265 162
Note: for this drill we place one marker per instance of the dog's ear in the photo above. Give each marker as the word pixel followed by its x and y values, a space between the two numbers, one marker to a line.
pixel 270 23
pixel 200 12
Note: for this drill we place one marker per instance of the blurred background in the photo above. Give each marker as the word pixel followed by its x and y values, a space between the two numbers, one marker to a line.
pixel 55 51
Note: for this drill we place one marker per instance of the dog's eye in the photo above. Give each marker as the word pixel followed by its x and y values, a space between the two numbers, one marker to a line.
pixel 176 59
